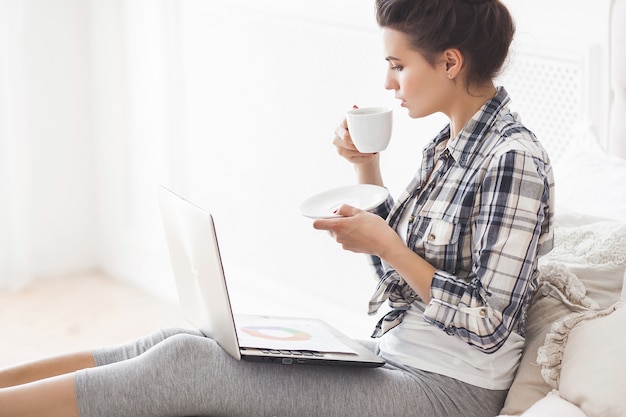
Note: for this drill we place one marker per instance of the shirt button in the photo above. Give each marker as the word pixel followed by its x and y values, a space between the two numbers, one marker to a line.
pixel 431 237
pixel 483 312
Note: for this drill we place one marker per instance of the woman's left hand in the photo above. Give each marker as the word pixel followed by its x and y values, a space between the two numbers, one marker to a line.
pixel 359 231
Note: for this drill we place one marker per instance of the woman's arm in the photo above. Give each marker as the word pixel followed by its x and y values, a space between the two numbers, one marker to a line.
pixel 363 232
pixel 366 165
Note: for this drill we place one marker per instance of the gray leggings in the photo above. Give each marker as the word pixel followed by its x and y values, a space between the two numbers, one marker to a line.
pixel 178 372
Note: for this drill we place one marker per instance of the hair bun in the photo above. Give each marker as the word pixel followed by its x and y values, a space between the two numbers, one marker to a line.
pixel 478 1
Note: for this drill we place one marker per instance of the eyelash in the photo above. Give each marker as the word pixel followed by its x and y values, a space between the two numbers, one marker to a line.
pixel 397 68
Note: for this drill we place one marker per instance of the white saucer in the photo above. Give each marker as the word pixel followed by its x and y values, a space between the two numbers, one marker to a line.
pixel 362 196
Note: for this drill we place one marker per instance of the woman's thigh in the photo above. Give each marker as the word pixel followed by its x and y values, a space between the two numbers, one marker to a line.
pixel 190 375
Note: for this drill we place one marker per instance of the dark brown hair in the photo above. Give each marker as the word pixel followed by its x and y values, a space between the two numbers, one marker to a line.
pixel 481 29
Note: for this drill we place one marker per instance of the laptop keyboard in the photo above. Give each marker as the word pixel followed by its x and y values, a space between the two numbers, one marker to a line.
pixel 308 353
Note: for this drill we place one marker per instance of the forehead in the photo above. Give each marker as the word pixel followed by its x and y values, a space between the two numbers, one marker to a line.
pixel 395 42
pixel 398 49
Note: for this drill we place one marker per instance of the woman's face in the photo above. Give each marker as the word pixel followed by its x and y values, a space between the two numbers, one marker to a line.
pixel 423 89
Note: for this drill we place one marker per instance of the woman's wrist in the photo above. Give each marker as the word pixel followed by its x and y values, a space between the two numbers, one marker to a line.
pixel 369 172
pixel 416 271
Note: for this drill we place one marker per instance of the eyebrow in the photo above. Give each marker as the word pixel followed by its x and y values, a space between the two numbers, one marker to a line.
pixel 392 58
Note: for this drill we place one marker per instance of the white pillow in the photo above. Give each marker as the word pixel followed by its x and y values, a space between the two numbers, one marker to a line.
pixel 586 270
pixel 593 249
pixel 553 406
pixel 560 293
pixel 593 368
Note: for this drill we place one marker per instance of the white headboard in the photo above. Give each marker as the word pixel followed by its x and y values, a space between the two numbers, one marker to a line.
pixel 617 132
pixel 558 93
pixel 570 92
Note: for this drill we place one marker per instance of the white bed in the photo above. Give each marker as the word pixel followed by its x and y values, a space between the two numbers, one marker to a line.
pixel 574 364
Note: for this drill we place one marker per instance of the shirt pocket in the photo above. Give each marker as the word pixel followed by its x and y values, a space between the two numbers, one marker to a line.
pixel 440 232
pixel 439 242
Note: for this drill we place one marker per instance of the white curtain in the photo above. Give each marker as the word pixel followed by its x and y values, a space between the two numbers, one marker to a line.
pixel 14 205
pixel 48 220
pixel 617 144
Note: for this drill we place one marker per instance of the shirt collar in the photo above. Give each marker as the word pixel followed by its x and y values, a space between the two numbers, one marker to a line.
pixel 473 133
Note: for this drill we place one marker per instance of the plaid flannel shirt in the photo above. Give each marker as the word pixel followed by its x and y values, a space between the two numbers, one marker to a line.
pixel 482 220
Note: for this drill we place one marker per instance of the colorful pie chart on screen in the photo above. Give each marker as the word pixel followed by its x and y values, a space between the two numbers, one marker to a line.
pixel 276 333
pixel 284 333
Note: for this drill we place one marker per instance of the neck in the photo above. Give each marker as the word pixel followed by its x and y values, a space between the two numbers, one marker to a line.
pixel 467 105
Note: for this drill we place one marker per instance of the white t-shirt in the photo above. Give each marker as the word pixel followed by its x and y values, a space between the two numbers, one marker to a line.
pixel 418 344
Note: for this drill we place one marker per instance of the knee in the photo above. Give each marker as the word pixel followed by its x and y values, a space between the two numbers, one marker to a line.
pixel 149 342
pixel 187 341
pixel 170 332
pixel 185 348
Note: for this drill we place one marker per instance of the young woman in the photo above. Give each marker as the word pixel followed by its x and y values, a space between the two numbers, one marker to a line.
pixel 456 254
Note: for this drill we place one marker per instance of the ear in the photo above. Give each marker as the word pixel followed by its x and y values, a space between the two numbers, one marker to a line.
pixel 453 62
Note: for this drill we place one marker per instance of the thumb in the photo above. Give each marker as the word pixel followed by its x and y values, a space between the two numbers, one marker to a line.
pixel 347 210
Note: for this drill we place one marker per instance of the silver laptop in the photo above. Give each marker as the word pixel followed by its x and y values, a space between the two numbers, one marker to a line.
pixel 204 301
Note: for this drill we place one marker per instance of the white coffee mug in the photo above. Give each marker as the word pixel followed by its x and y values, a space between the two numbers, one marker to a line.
pixel 370 128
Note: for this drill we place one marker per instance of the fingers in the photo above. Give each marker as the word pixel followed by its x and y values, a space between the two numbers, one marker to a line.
pixel 347 210
pixel 332 224
pixel 343 138
pixel 346 149
pixel 324 224
pixel 354 229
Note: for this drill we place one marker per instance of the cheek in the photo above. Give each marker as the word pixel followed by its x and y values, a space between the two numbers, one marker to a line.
pixel 423 94
pixel 416 90
pixel 415 84
pixel 423 86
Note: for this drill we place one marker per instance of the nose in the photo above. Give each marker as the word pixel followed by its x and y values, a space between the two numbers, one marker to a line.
pixel 391 83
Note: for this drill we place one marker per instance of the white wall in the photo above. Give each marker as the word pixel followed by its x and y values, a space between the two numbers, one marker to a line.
pixel 235 108
pixel 232 105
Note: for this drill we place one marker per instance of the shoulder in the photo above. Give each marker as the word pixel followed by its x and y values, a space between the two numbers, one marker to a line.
pixel 510 135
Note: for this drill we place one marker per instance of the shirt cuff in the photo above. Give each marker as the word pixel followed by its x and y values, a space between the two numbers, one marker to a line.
pixel 448 299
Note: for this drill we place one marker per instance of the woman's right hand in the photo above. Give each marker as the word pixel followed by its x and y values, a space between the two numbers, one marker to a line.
pixel 366 165
pixel 346 149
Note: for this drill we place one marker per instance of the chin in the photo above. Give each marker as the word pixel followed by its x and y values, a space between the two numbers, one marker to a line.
pixel 416 114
